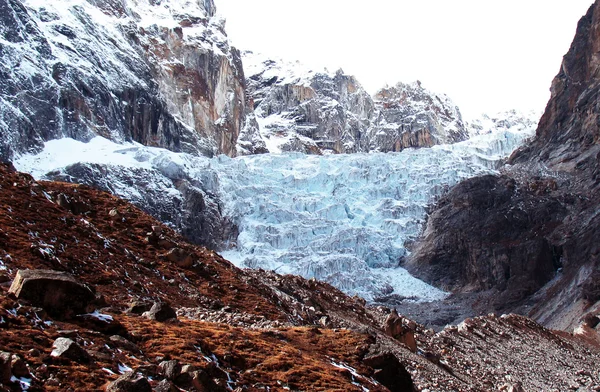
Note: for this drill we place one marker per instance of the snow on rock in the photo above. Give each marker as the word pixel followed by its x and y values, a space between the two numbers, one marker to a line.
pixel 299 109
pixel 160 73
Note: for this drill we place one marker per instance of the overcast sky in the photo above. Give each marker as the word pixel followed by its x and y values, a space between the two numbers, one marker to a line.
pixel 486 55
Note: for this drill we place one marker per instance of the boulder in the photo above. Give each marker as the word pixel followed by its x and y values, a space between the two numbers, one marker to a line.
pixel 165 386
pixel 160 311
pixel 390 372
pixel 5 367
pixel 169 369
pixel 67 348
pixel 396 327
pixel 59 293
pixel 130 382
pixel 19 367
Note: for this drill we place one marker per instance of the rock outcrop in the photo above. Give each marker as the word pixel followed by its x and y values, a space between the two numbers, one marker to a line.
pixel 299 109
pixel 527 238
pixel 57 292
pixel 162 74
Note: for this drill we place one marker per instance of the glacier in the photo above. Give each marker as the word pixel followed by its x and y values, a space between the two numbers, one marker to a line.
pixel 345 219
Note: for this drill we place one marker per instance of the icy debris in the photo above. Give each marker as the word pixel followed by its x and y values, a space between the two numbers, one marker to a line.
pixel 24 382
pixel 100 316
pixel 124 368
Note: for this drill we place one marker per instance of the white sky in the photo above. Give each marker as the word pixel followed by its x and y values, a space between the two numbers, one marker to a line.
pixel 486 55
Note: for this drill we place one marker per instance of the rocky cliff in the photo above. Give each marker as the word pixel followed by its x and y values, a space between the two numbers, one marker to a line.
pixel 161 74
pixel 97 295
pixel 526 238
pixel 299 109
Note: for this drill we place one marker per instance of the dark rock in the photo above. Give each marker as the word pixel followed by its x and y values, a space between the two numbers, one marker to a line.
pixel 160 311
pixel 59 293
pixel 130 382
pixel 390 372
pixel 170 369
pixel 103 323
pixel 5 367
pixel 165 386
pixel 123 343
pixel 19 367
pixel 526 241
pixel 67 348
pixel 138 307
pixel 395 327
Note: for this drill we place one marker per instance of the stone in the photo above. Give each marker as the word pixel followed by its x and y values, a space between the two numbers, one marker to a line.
pixel 67 348
pixel 130 382
pixel 59 293
pixel 396 327
pixel 165 386
pixel 5 367
pixel 390 372
pixel 180 257
pixel 160 311
pixel 170 369
pixel 19 367
pixel 123 343
pixel 138 307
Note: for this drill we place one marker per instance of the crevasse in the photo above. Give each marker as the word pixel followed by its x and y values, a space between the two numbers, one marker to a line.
pixel 345 219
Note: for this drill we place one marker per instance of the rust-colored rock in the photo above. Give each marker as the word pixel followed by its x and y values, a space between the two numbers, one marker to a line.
pixel 59 293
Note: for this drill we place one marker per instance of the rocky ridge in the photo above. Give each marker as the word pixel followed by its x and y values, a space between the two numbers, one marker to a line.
pixel 524 240
pixel 299 109
pixel 225 328
pixel 161 74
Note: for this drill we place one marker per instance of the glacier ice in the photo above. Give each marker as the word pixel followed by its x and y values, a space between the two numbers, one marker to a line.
pixel 343 218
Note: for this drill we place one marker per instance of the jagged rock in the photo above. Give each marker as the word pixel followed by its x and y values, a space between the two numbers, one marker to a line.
pixel 170 369
pixel 138 307
pixel 322 112
pixel 102 323
pixel 390 372
pixel 396 328
pixel 59 293
pixel 165 386
pixel 5 367
pixel 67 348
pixel 123 343
pixel 193 208
pixel 180 257
pixel 130 382
pixel 19 367
pixel 160 311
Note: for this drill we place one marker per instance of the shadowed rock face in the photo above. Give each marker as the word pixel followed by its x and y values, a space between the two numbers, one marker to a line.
pixel 526 238
pixel 127 71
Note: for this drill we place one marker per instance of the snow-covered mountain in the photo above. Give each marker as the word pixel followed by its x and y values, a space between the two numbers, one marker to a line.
pixel 299 109
pixel 159 73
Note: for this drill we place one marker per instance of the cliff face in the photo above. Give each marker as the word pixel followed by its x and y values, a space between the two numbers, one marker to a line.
pixel 322 112
pixel 411 116
pixel 525 239
pixel 162 74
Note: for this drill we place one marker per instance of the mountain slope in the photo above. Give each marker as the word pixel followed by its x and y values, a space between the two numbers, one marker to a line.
pixel 161 74
pixel 234 328
pixel 526 238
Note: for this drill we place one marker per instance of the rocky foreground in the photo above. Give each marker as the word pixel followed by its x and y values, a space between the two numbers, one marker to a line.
pixel 131 306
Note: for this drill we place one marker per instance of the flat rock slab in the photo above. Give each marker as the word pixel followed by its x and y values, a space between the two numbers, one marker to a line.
pixel 59 293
